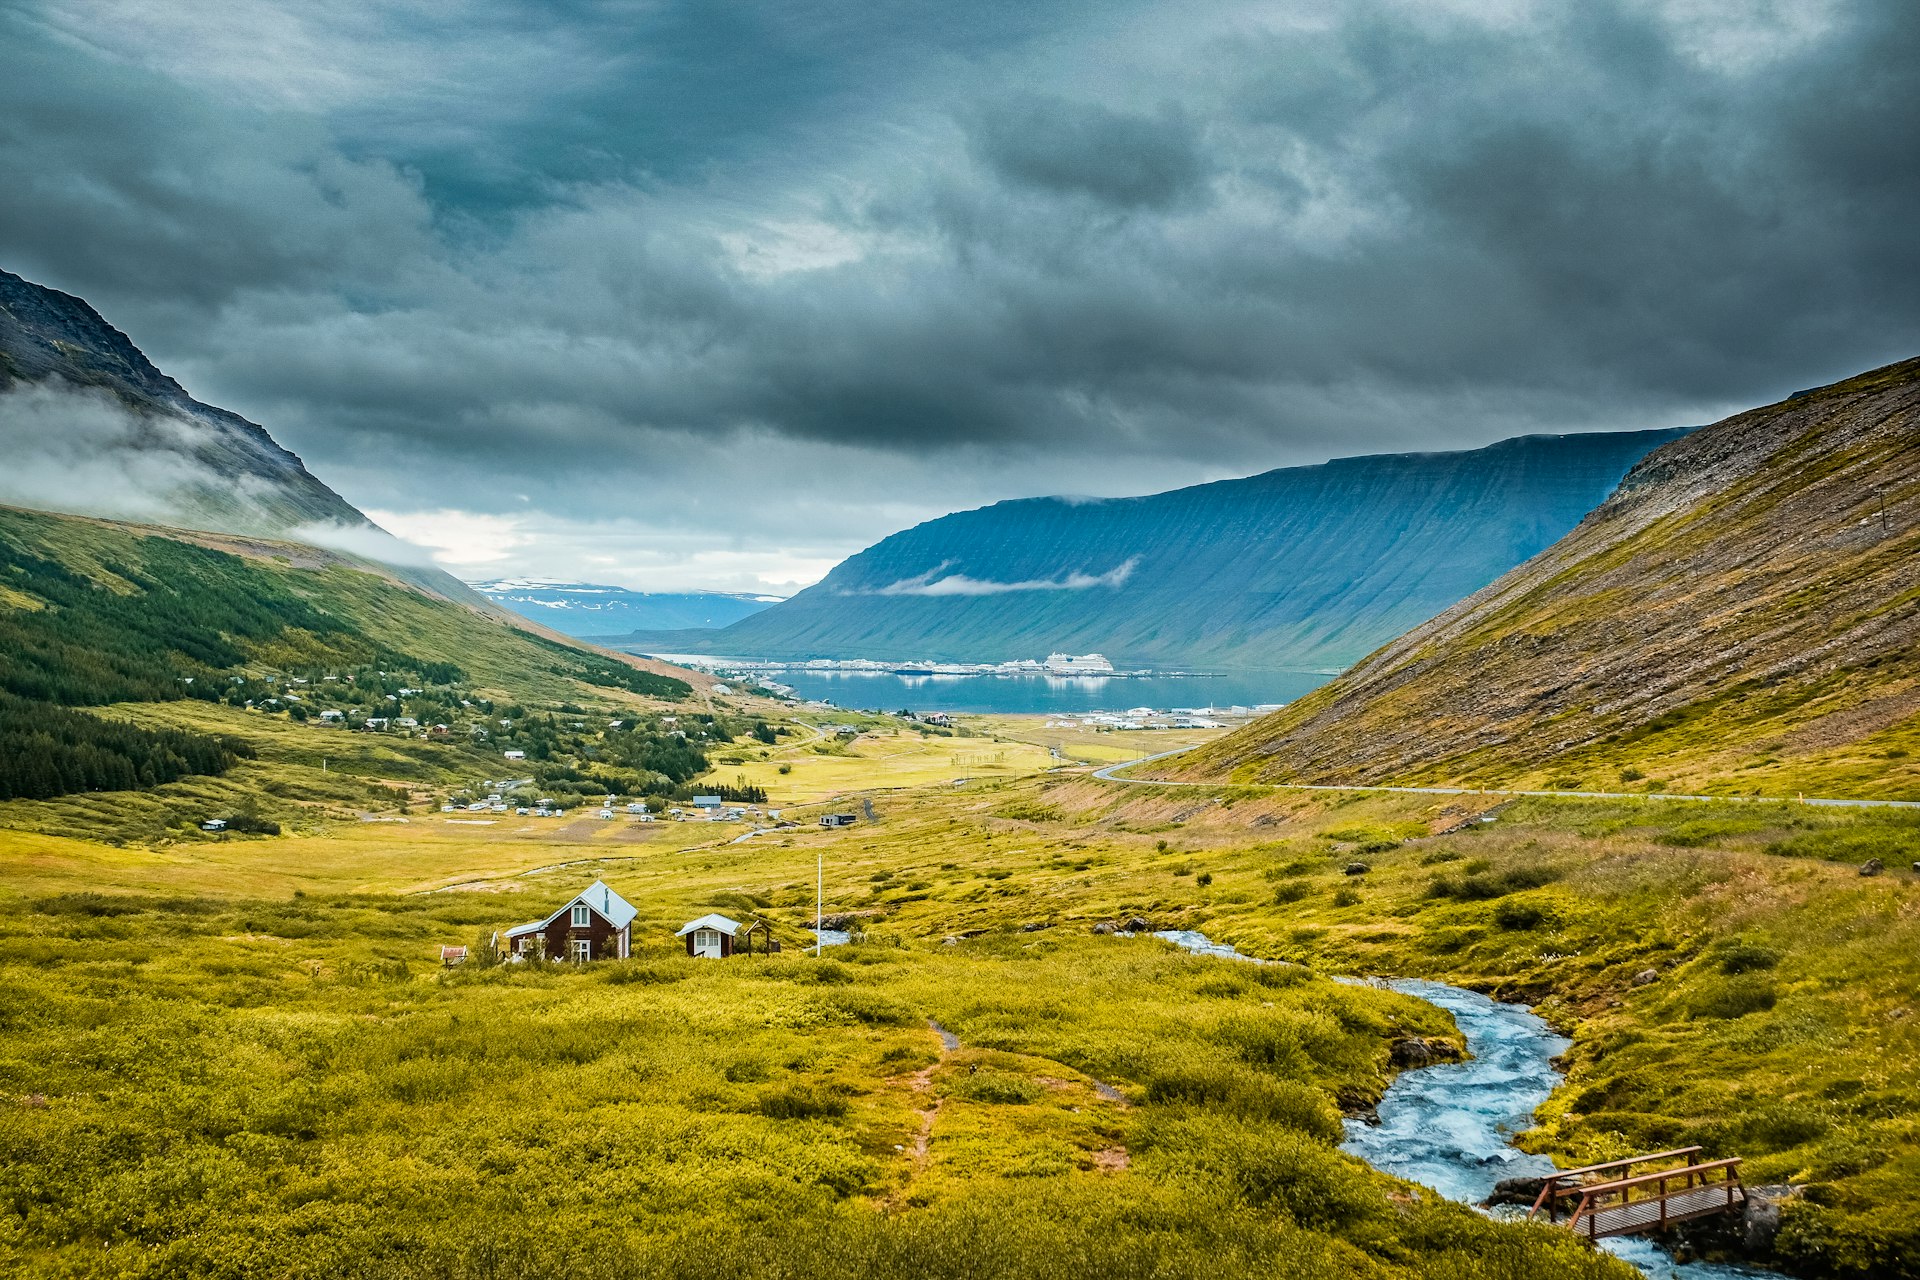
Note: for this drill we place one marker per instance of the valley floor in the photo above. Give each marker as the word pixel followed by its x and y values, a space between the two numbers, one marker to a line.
pixel 240 1057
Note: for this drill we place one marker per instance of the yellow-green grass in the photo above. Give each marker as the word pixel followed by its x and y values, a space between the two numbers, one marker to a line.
pixel 1090 746
pixel 1779 1025
pixel 240 1087
pixel 882 758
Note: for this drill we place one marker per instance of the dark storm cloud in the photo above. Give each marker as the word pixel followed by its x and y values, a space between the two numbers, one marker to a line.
pixel 1020 247
pixel 1116 158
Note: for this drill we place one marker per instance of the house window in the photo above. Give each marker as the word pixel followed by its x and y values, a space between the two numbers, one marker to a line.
pixel 580 917
pixel 582 950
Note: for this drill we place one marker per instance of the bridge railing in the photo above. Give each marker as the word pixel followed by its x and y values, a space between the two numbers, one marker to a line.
pixel 1648 1201
pixel 1568 1182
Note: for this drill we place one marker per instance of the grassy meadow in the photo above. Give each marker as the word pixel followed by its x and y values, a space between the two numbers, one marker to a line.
pixel 238 1056
pixel 205 1085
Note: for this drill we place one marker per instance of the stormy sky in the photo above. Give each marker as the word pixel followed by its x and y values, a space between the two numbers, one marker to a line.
pixel 679 293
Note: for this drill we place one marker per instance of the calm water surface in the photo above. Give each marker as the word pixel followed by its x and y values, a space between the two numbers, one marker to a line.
pixel 1047 695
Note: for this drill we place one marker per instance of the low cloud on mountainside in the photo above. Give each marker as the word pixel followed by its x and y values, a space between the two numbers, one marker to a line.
pixel 936 582
pixel 784 279
pixel 80 450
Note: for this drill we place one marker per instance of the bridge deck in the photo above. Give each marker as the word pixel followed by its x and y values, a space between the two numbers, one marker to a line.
pixel 1645 1215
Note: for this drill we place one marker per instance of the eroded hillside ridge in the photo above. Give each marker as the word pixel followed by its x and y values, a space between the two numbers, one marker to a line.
pixel 77 395
pixel 1304 567
pixel 1743 612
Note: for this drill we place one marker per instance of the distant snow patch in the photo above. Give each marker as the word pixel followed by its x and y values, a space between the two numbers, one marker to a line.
pixel 931 583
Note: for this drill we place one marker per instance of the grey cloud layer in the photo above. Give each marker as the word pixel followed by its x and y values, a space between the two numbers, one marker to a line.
pixel 1003 250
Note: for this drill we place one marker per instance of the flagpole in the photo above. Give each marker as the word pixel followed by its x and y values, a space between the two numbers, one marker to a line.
pixel 819 900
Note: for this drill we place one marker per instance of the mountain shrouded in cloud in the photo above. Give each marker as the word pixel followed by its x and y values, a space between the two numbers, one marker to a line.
pixel 789 277
pixel 1305 568
pixel 91 426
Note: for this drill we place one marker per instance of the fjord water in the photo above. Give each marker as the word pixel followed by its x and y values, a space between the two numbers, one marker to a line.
pixel 1448 1126
pixel 1048 695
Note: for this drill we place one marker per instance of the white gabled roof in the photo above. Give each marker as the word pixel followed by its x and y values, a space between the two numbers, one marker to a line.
pixel 720 922
pixel 615 909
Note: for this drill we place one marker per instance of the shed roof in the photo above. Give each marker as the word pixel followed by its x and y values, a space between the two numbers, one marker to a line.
pixel 720 922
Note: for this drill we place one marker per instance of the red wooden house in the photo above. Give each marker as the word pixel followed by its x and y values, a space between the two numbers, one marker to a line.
pixel 594 926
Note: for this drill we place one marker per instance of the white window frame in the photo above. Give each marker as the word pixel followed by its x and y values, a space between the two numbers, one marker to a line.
pixel 582 915
pixel 581 950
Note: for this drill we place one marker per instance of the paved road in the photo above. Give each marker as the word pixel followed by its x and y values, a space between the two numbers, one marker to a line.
pixel 1111 774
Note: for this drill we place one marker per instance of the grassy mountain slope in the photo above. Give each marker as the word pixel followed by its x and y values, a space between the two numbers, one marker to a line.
pixel 133 660
pixel 1305 567
pixel 1742 616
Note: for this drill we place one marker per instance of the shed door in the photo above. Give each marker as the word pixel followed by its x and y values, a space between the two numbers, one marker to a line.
pixel 706 942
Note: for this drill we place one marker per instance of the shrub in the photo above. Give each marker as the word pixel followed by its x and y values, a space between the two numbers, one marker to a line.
pixel 1204 879
pixel 1691 835
pixel 905 1057
pixel 873 1008
pixel 1737 955
pixel 1519 915
pixel 1292 891
pixel 1892 841
pixel 1238 1091
pixel 1001 1088
pixel 646 975
pixel 801 1102
pixel 1346 896
pixel 1481 887
pixel 826 973
pixel 1268 1167
pixel 1735 998
pixel 1365 839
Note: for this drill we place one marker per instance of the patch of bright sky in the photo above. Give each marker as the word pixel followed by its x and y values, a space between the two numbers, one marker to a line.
pixel 476 545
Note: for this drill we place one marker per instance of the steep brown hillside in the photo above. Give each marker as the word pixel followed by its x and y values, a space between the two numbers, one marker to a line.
pixel 1742 615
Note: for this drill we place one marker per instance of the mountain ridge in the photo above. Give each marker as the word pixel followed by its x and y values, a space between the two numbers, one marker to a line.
pixel 63 366
pixel 593 611
pixel 1297 568
pixel 1742 615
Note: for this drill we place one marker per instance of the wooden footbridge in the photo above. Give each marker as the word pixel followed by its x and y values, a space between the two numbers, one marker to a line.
pixel 1611 1200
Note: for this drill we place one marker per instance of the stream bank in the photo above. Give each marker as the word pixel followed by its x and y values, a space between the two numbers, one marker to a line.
pixel 1449 1126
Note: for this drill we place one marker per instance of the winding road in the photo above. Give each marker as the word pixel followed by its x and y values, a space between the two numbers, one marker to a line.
pixel 1111 774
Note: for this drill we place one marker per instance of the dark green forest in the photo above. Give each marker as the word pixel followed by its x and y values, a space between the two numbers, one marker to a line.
pixel 48 751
